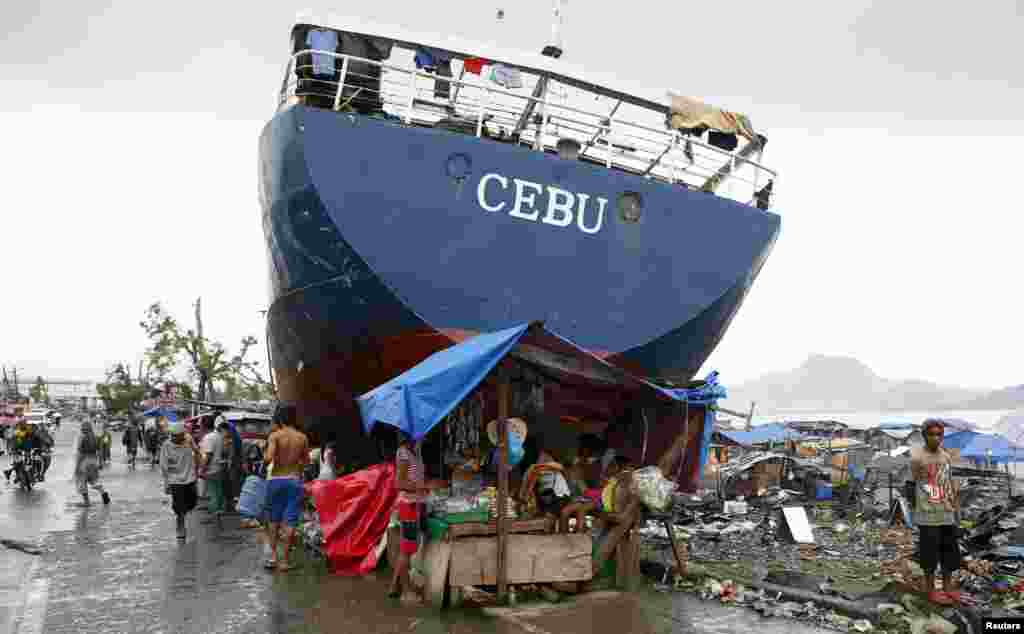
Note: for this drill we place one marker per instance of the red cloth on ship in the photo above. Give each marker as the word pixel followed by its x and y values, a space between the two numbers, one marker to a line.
pixel 354 514
pixel 474 65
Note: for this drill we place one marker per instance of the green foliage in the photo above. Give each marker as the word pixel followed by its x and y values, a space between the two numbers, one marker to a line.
pixel 208 362
pixel 38 392
pixel 119 393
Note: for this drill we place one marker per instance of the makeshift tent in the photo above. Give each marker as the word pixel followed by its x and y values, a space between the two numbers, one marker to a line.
pixel 983 447
pixel 160 411
pixel 1011 427
pixel 761 434
pixel 418 399
pixel 959 424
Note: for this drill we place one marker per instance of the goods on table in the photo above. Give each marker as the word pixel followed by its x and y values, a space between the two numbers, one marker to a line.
pixel 459 509
pixel 491 495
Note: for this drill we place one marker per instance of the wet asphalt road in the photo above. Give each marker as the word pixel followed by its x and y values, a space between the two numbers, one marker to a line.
pixel 120 569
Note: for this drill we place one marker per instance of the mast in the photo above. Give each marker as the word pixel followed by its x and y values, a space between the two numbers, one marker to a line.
pixel 557 45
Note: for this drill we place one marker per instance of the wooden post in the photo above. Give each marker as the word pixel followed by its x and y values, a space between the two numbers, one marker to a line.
pixel 503 406
pixel 750 416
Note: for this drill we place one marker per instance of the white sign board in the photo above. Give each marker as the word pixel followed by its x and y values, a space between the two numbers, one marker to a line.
pixel 799 527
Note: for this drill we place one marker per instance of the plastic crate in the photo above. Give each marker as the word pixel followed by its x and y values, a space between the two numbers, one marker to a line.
pixel 436 528
pixel 468 516
pixel 823 491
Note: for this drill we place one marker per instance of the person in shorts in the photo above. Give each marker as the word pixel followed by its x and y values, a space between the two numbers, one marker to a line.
pixel 179 461
pixel 935 505
pixel 288 453
pixel 410 480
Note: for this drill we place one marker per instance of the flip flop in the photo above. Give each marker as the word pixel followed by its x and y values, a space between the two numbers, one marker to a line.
pixel 270 564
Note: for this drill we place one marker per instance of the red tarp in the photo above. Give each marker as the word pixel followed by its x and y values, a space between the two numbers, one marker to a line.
pixel 354 514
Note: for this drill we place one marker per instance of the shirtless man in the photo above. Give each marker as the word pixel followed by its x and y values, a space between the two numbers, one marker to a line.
pixel 288 453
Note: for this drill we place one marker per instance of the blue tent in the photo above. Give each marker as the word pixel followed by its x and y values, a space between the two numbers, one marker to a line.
pixel 161 411
pixel 419 398
pixel 982 447
pixel 772 432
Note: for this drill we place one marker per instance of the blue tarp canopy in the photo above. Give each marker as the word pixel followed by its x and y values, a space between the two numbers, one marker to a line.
pixel 161 411
pixel 772 432
pixel 419 398
pixel 710 392
pixel 416 400
pixel 982 447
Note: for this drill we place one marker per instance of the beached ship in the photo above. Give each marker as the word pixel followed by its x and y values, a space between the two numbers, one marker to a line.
pixel 416 188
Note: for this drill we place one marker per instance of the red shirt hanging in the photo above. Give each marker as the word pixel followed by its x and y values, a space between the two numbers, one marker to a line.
pixel 474 65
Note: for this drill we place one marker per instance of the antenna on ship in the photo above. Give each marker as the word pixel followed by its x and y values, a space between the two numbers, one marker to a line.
pixel 555 48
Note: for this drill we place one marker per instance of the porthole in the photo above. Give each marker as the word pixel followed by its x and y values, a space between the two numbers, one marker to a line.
pixel 630 207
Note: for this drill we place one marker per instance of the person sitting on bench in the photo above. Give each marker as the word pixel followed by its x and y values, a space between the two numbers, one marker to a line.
pixel 545 489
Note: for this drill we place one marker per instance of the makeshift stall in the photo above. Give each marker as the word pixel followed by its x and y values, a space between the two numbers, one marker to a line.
pixel 480 538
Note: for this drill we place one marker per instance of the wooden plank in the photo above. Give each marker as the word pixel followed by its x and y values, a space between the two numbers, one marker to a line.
pixel 394 535
pixel 531 559
pixel 471 529
pixel 435 566
pixel 502 545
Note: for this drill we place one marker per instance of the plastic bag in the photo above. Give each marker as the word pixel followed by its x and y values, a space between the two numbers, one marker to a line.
pixel 654 490
pixel 515 449
pixel 253 497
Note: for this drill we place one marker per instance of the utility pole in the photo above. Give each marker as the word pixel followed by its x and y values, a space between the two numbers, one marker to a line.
pixel 199 342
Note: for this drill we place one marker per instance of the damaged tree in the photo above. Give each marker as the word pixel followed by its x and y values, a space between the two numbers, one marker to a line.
pixel 209 362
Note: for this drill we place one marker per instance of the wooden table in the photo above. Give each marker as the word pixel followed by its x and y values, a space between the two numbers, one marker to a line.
pixel 468 556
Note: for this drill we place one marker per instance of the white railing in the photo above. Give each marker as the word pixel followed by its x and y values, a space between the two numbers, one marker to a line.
pixel 624 137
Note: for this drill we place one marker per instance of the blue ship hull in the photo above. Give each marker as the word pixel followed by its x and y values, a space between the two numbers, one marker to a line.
pixel 382 241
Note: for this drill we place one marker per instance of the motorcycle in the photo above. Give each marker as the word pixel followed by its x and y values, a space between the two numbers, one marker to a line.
pixel 28 468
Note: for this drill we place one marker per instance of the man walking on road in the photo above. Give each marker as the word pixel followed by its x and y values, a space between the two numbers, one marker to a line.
pixel 131 439
pixel 179 460
pixel 87 464
pixel 288 453
pixel 213 470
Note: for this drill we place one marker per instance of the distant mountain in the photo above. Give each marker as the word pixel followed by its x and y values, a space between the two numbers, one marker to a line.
pixel 1006 398
pixel 829 383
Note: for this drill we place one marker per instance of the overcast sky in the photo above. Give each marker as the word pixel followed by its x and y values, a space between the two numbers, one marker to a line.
pixel 129 153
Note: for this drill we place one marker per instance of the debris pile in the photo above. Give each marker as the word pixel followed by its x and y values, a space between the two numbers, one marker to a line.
pixel 313 535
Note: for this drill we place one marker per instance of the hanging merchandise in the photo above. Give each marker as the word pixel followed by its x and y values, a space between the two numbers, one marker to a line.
pixel 515 449
pixel 462 426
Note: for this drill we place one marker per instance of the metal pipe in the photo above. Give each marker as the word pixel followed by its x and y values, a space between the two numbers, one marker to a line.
pixel 524 117
pixel 643 452
pixel 485 102
pixel 341 84
pixel 726 170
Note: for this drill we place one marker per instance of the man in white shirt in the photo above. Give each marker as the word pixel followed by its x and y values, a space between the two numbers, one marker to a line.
pixel 213 469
